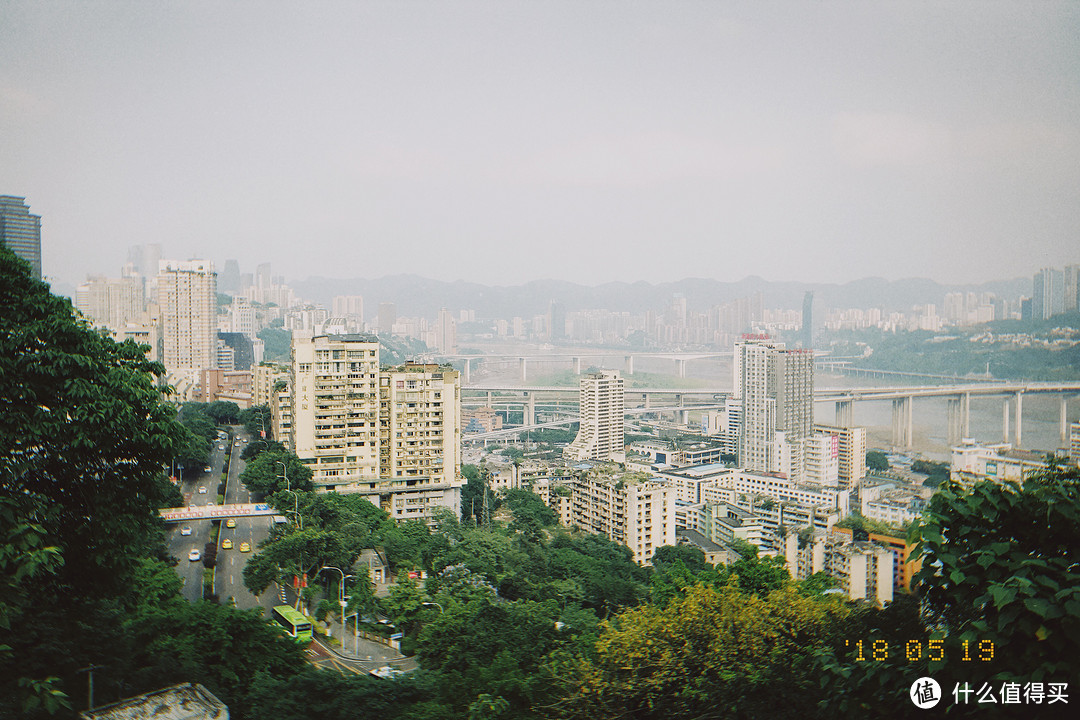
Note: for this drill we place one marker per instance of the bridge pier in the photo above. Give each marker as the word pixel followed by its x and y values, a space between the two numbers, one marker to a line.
pixel 577 366
pixel 629 364
pixel 645 400
pixel 959 418
pixel 467 373
pixel 965 417
pixel 954 431
pixel 684 417
pixel 523 363
pixel 902 435
pixel 1019 418
pixel 1005 421
pixel 680 367
pixel 844 413
pixel 1064 421
pixel 530 413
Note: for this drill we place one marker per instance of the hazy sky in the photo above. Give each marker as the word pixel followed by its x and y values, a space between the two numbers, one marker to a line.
pixel 503 142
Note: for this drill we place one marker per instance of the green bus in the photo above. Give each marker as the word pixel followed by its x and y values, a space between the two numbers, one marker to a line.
pixel 294 622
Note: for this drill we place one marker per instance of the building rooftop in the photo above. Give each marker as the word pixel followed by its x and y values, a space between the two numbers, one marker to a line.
pixel 190 701
pixel 693 537
pixel 354 337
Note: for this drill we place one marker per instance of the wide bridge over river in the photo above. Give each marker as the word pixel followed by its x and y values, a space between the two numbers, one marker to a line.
pixel 903 398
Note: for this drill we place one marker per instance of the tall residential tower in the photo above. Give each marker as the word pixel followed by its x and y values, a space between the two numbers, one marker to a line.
pixel 776 389
pixel 600 432
pixel 21 231
pixel 187 299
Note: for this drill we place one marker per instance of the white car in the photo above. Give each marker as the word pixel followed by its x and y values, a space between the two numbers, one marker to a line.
pixel 207 469
pixel 194 555
pixel 202 489
pixel 186 530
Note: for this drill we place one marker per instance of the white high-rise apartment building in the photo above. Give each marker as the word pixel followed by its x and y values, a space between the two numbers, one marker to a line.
pixel 602 408
pixel 393 435
pixel 776 388
pixel 187 300
pixel 446 332
pixel 823 459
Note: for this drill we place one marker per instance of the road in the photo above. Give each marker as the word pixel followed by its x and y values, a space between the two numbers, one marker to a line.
pixel 179 544
pixel 229 580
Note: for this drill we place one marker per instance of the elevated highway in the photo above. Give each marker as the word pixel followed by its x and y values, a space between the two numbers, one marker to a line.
pixel 902 398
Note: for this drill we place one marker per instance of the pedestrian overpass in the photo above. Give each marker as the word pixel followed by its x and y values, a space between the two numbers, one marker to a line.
pixel 216 512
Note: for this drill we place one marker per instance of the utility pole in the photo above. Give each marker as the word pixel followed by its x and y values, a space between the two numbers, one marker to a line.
pixel 89 670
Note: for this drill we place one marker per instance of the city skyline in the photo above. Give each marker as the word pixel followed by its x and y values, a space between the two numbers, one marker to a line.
pixel 514 142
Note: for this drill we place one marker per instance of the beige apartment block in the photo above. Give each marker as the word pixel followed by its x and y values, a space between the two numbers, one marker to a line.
pixel 628 509
pixel 264 377
pixel 187 300
pixel 851 452
pixel 393 435
pixel 866 570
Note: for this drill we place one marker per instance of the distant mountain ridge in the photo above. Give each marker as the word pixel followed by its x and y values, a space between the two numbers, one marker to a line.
pixel 418 296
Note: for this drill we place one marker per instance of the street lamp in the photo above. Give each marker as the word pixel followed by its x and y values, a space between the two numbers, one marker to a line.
pixel 436 605
pixel 343 603
pixel 296 497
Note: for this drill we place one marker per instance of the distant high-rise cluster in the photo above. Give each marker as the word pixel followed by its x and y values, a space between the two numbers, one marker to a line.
pixel 1055 292
pixel 20 230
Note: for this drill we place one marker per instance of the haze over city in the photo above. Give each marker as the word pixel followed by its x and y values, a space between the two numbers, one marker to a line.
pixel 508 142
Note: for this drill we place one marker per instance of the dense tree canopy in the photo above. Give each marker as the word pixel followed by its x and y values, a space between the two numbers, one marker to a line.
pixel 84 433
pixel 877 461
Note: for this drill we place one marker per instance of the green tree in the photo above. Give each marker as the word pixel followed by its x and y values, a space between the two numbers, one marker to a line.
pixel 877 461
pixel 278 344
pixel 84 433
pixel 223 412
pixel 256 420
pixel 714 652
pixel 691 557
pixel 264 475
pixel 1001 562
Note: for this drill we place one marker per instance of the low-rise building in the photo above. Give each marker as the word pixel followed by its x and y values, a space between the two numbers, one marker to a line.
pixel 188 701
pixel 725 523
pixel 974 462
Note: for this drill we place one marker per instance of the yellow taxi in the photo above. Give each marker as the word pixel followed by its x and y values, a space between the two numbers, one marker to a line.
pixel 244 547
pixel 226 544
pixel 230 523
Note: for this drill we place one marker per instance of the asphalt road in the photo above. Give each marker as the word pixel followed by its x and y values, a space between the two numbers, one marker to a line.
pixel 179 544
pixel 229 580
